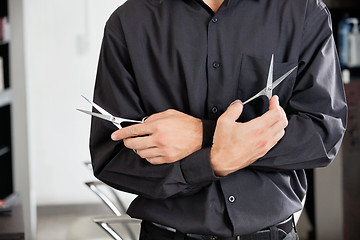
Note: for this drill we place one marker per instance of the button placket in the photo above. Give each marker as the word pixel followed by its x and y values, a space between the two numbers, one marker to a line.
pixel 214 67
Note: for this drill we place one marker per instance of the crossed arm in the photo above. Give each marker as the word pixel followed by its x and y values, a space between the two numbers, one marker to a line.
pixel 170 136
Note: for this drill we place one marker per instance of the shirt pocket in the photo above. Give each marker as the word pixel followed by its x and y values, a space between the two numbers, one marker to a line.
pixel 253 78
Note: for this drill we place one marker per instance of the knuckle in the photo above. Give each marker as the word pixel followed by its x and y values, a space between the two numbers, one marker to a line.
pixel 151 160
pixel 132 130
pixel 259 132
pixel 127 143
pixel 162 140
pixel 286 122
pixel 141 154
pixel 166 160
pixel 154 161
pixel 167 153
pixel 169 112
pixel 277 113
pixel 156 127
pixel 169 158
pixel 170 155
pixel 262 153
pixel 157 141
pixel 263 143
pixel 149 118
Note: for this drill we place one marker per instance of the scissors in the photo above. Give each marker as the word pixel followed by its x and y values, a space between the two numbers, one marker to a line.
pixel 117 121
pixel 270 85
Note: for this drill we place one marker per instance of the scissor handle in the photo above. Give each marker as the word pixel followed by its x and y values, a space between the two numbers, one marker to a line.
pixel 144 118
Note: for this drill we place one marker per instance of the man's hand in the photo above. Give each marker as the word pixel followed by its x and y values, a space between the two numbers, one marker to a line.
pixel 237 145
pixel 164 137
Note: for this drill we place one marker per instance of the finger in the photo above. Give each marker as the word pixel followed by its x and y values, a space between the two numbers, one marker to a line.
pixel 277 130
pixel 274 102
pixel 286 121
pixel 275 113
pixel 132 131
pixel 234 111
pixel 160 115
pixel 268 119
pixel 274 119
pixel 139 142
pixel 153 152
pixel 277 137
pixel 155 117
pixel 156 160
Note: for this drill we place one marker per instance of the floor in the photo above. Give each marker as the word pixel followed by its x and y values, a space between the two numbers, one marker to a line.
pixel 59 222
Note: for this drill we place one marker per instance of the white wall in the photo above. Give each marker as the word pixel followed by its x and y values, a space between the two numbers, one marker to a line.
pixel 329 200
pixel 60 68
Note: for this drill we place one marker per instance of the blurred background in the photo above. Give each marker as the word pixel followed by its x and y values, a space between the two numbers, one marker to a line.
pixel 48 58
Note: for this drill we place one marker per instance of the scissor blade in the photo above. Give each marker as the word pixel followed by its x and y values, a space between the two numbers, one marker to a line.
pixel 98 115
pixel 268 90
pixel 262 92
pixel 274 85
pixel 97 107
pixel 282 78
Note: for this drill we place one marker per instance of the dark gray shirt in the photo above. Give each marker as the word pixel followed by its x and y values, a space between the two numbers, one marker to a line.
pixel 177 54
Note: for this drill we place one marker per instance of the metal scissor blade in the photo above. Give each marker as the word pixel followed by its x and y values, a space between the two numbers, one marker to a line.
pixel 269 83
pixel 274 85
pixel 283 77
pixel 97 107
pixel 261 93
pixel 105 117
pixel 98 115
pixel 115 120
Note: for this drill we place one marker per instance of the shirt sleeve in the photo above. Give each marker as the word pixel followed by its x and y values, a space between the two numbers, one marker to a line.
pixel 208 132
pixel 317 110
pixel 116 90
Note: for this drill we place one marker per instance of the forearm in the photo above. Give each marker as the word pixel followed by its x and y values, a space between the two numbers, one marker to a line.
pixel 308 143
pixel 123 169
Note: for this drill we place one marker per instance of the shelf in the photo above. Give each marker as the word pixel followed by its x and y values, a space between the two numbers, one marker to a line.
pixel 3 42
pixel 5 97
pixel 4 150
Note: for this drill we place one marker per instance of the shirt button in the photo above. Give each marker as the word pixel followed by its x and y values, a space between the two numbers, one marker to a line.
pixel 214 110
pixel 232 199
pixel 216 65
pixel 215 20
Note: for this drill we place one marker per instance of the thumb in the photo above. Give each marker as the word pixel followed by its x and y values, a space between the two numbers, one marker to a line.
pixel 274 102
pixel 234 111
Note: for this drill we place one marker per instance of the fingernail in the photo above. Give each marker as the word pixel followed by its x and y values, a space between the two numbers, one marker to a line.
pixel 114 136
pixel 236 101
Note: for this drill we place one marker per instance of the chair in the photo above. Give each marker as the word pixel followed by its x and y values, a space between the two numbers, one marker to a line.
pixel 129 226
pixel 117 226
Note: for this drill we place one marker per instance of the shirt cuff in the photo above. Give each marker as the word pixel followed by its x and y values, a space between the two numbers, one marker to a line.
pixel 197 168
pixel 208 132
